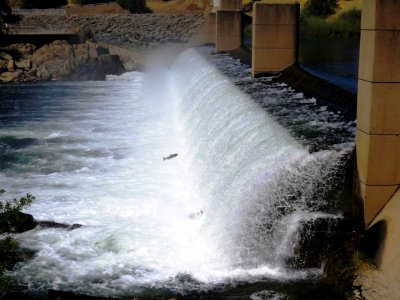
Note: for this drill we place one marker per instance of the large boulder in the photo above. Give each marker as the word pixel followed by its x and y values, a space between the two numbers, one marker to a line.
pixel 94 69
pixel 61 50
pixel 16 222
pixel 89 50
pixel 62 61
pixel 11 65
pixel 5 56
pixel 19 51
pixel 3 65
pixel 58 60
pixel 10 76
pixel 23 64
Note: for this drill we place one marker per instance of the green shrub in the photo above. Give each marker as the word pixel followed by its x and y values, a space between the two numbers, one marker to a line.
pixel 351 16
pixel 321 8
pixel 346 25
pixel 135 6
pixel 10 213
pixel 8 258
pixel 11 218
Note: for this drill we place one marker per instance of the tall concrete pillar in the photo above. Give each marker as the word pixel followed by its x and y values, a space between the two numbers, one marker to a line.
pixel 205 33
pixel 378 105
pixel 274 36
pixel 228 25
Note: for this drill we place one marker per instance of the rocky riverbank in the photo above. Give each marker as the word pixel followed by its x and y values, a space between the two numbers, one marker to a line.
pixel 57 61
pixel 91 60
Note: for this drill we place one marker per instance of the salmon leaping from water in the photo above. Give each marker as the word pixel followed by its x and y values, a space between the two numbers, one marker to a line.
pixel 170 156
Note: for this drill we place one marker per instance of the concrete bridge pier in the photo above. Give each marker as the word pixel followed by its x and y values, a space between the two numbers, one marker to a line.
pixel 274 37
pixel 228 25
pixel 378 106
pixel 206 33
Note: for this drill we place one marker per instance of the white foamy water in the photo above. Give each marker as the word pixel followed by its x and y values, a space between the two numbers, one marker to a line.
pixel 228 208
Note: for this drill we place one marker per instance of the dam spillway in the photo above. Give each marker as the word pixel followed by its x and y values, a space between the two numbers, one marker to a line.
pixel 227 209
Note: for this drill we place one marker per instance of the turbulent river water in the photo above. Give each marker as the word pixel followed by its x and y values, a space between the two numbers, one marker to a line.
pixel 227 210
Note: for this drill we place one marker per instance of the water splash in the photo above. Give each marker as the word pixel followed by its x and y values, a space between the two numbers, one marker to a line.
pixel 259 182
pixel 227 209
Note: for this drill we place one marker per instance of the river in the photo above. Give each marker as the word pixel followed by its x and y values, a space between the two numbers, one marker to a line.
pixel 223 217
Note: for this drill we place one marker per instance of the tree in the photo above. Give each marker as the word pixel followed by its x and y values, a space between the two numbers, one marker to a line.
pixel 5 10
pixel 11 218
pixel 321 8
pixel 42 3
pixel 135 6
pixel 85 2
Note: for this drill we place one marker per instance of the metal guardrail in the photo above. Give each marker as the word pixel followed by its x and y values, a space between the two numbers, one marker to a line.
pixel 19 30
pixel 35 11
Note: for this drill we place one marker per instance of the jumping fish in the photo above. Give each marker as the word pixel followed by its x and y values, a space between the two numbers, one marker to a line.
pixel 170 156
pixel 196 214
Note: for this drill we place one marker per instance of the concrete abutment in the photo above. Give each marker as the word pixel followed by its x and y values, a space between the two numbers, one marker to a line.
pixel 275 36
pixel 228 25
pixel 378 135
pixel 378 106
pixel 206 32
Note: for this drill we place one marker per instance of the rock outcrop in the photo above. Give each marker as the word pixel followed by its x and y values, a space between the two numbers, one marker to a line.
pixel 14 61
pixel 21 222
pixel 57 61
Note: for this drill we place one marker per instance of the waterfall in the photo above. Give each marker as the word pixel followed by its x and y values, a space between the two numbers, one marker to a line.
pixel 259 183
pixel 228 208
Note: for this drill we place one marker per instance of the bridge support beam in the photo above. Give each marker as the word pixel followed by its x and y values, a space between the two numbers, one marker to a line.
pixel 378 106
pixel 228 25
pixel 274 37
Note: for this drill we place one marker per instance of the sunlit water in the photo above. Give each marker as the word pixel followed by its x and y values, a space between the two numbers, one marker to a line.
pixel 227 209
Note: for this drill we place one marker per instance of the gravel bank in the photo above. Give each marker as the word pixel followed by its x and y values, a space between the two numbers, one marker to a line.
pixel 130 31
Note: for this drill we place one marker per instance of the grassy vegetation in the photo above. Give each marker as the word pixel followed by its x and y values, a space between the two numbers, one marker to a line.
pixel 183 6
pixel 8 247
pixel 345 25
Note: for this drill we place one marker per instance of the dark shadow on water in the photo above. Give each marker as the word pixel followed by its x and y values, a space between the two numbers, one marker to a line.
pixel 17 143
pixel 278 290
pixel 335 60
pixel 34 102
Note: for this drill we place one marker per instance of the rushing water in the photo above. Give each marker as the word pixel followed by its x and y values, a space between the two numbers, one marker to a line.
pixel 226 210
